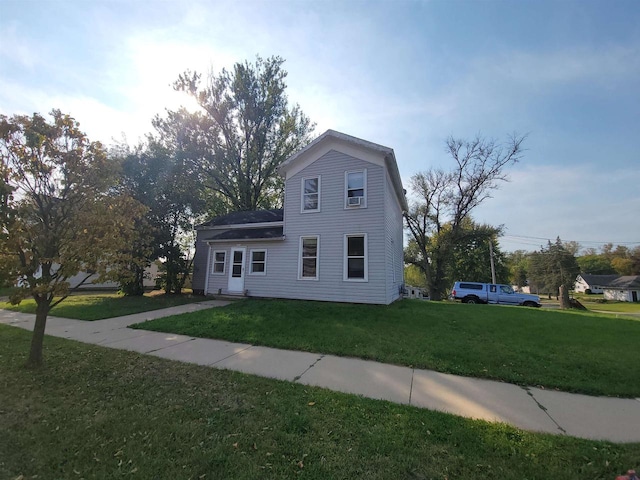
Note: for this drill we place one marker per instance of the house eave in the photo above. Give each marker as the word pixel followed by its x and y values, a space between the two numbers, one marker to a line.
pixel 244 240
pixel 239 226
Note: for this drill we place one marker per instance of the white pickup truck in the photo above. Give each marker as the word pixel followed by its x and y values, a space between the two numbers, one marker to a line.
pixel 474 292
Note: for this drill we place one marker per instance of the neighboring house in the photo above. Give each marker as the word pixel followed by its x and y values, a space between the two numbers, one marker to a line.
pixel 338 237
pixel 594 283
pixel 91 282
pixel 623 289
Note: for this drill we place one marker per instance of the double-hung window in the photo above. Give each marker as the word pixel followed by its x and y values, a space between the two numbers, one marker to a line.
pixel 308 260
pixel 258 262
pixel 356 266
pixel 311 194
pixel 219 260
pixel 356 189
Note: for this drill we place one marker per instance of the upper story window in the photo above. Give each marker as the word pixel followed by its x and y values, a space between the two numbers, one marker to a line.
pixel 311 194
pixel 219 260
pixel 356 189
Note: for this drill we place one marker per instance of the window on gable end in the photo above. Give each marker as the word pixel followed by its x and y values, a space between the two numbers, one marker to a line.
pixel 356 189
pixel 311 194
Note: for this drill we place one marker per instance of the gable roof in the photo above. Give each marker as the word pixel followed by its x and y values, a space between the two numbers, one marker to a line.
pixel 386 153
pixel 244 218
pixel 624 282
pixel 598 280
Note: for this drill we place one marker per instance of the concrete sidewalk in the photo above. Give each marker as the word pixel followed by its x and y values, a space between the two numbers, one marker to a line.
pixel 598 418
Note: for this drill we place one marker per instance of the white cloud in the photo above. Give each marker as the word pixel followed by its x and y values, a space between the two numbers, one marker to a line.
pixel 587 204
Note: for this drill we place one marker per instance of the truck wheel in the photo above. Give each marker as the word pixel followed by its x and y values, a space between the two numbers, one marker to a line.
pixel 529 304
pixel 469 300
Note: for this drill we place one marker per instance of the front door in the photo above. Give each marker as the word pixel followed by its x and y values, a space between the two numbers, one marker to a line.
pixel 236 272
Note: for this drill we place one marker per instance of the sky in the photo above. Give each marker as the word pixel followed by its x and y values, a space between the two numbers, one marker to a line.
pixel 404 74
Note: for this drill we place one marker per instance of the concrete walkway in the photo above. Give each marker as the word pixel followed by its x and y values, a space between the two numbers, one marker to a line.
pixel 535 409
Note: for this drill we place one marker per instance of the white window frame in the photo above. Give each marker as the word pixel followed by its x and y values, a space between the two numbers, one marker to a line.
pixel 302 194
pixel 251 261
pixel 300 258
pixel 213 263
pixel 345 275
pixel 363 202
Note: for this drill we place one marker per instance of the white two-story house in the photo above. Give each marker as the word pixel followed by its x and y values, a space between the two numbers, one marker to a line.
pixel 338 237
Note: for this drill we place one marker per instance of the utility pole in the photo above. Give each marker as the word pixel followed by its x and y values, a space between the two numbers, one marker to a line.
pixel 493 267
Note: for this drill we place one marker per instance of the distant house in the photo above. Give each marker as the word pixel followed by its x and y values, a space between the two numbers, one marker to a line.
pixel 338 237
pixel 623 289
pixel 593 283
pixel 88 281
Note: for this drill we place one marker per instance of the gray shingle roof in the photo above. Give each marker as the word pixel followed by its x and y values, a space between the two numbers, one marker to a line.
pixel 239 218
pixel 598 280
pixel 268 233
pixel 626 281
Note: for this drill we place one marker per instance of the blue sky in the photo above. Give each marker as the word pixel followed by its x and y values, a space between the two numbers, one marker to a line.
pixel 403 74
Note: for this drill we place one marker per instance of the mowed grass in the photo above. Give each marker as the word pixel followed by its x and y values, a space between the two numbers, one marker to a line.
pixel 106 305
pixel 574 352
pixel 92 412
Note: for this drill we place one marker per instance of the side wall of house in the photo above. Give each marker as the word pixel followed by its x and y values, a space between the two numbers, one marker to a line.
pixel 393 242
pixel 619 295
pixel 200 262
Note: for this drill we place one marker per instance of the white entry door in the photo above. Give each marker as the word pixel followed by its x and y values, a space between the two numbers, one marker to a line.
pixel 236 272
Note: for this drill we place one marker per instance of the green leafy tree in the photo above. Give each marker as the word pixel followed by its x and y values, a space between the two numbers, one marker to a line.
pixel 247 131
pixel 163 173
pixel 518 265
pixel 595 264
pixel 413 276
pixel 444 199
pixel 61 215
pixel 471 255
pixel 554 270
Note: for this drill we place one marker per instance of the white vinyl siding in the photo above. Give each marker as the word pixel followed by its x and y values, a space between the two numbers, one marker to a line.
pixel 258 262
pixel 308 260
pixel 218 262
pixel 355 186
pixel 356 261
pixel 310 195
pixel 381 221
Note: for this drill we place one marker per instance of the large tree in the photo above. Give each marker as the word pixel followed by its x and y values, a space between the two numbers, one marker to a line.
pixel 445 198
pixel 248 130
pixel 471 257
pixel 62 215
pixel 164 174
pixel 554 270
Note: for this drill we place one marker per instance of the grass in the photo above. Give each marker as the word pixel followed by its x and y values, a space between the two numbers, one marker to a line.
pixel 575 352
pixel 106 305
pixel 596 302
pixel 92 412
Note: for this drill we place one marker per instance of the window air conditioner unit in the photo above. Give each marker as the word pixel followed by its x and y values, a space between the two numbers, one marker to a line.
pixel 354 201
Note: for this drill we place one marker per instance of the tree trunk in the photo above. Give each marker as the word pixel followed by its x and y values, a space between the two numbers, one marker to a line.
pixel 564 297
pixel 35 354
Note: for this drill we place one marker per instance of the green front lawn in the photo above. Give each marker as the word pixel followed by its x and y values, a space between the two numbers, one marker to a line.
pixel 92 412
pixel 570 351
pixel 106 305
